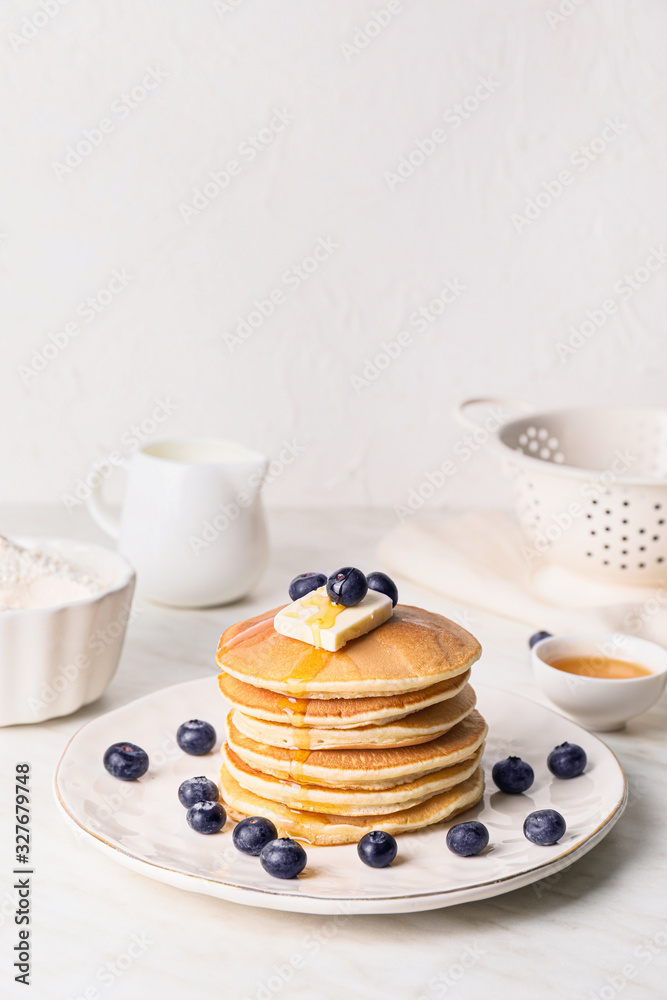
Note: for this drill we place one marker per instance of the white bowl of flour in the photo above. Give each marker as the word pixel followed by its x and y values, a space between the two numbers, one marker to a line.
pixel 64 609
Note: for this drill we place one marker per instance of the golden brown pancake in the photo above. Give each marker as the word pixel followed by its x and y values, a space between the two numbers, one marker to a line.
pixel 412 650
pixel 419 727
pixel 328 828
pixel 334 713
pixel 349 801
pixel 354 768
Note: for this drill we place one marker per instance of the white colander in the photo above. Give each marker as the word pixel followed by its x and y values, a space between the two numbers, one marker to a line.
pixel 590 485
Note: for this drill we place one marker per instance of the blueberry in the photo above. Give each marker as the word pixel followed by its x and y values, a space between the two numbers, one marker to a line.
pixel 126 761
pixel 377 849
pixel 283 858
pixel 252 834
pixel 196 737
pixel 567 760
pixel 467 839
pixel 544 827
pixel 384 585
pixel 347 586
pixel 206 817
pixel 199 789
pixel 513 775
pixel 537 637
pixel 304 583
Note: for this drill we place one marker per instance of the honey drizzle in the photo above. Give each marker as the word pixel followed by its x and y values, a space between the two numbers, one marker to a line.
pixel 294 708
pixel 311 662
pixel 297 760
pixel 324 617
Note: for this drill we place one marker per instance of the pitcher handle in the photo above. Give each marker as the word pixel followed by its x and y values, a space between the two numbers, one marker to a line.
pixel 465 421
pixel 100 511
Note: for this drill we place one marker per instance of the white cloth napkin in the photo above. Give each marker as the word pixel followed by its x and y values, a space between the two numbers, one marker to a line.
pixel 476 559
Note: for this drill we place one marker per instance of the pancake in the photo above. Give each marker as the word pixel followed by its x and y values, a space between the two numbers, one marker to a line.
pixel 334 713
pixel 416 728
pixel 410 651
pixel 354 768
pixel 327 828
pixel 346 801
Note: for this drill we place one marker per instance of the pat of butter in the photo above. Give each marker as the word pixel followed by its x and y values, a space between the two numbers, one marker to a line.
pixel 314 619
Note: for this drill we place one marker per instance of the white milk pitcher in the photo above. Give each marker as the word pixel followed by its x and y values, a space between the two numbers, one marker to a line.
pixel 192 522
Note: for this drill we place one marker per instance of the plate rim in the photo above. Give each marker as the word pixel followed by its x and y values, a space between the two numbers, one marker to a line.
pixel 366 905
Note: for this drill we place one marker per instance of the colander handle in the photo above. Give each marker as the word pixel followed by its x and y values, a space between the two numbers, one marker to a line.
pixel 503 401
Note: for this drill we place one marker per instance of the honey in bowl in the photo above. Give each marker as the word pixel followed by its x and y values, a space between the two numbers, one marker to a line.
pixel 603 667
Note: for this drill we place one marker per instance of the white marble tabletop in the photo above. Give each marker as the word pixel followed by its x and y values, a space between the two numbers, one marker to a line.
pixel 101 932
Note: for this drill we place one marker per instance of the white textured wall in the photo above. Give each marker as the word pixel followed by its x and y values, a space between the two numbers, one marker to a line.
pixel 347 116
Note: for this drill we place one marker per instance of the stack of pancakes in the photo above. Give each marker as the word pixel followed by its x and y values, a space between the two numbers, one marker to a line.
pixel 382 734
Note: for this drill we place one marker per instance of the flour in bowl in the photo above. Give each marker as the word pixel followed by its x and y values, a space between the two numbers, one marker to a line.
pixel 39 578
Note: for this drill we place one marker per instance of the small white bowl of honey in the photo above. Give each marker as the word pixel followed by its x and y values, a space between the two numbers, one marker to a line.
pixel 601 680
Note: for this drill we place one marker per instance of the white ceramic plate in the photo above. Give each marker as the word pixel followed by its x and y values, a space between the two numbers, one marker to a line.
pixel 142 825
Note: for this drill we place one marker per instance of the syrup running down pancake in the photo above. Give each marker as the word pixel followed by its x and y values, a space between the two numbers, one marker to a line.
pixel 354 768
pixel 352 801
pixel 327 828
pixel 410 651
pixel 334 713
pixel 418 727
